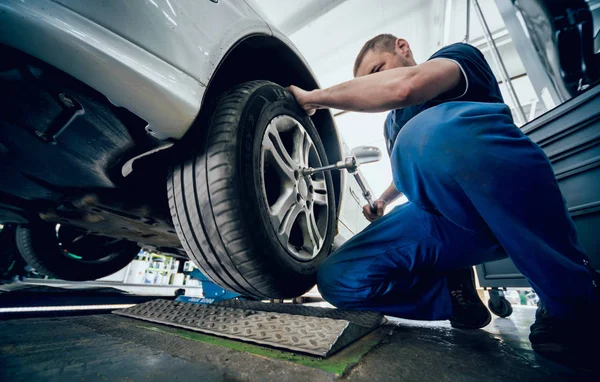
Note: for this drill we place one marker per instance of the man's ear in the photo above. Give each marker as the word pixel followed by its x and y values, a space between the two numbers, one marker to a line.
pixel 403 47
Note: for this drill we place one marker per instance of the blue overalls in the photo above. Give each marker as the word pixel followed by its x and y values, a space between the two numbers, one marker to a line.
pixel 478 190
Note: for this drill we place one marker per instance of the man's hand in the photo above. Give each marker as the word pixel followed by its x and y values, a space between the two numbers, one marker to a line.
pixel 371 216
pixel 302 97
pixel 388 196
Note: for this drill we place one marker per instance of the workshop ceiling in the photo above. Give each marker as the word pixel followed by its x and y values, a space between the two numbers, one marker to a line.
pixel 329 33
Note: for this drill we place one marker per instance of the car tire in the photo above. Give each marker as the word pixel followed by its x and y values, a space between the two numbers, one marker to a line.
pixel 11 263
pixel 241 208
pixel 60 255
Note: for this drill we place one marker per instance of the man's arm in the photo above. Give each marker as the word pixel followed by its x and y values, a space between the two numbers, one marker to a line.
pixel 387 197
pixel 390 194
pixel 386 90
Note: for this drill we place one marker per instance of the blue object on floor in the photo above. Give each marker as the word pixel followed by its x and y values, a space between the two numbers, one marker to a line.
pixel 196 300
pixel 211 291
pixel 478 189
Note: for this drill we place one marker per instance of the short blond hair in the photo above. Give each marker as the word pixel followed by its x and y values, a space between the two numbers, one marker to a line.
pixel 384 42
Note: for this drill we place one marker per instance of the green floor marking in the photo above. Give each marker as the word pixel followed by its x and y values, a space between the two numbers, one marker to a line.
pixel 339 363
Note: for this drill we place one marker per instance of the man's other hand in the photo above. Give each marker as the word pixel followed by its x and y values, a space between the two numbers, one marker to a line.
pixel 302 97
pixel 380 209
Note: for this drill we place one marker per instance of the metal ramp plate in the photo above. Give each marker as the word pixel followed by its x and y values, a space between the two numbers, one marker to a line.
pixel 317 331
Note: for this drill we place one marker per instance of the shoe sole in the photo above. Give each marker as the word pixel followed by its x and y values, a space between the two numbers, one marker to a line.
pixel 468 327
pixel 578 359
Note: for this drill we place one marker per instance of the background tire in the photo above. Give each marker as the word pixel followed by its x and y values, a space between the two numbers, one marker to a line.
pixel 11 263
pixel 89 258
pixel 222 202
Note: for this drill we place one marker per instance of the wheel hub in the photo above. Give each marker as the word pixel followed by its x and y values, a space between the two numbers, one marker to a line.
pixel 302 188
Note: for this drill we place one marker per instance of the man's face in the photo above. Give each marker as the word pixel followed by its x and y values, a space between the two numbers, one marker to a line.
pixel 376 61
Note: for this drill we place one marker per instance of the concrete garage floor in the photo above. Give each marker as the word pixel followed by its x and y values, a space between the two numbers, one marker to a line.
pixel 109 347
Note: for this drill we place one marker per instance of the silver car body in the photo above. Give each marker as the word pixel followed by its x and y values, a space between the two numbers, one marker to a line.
pixel 153 57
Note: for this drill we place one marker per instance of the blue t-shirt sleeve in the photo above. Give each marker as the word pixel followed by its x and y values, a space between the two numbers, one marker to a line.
pixel 388 132
pixel 478 83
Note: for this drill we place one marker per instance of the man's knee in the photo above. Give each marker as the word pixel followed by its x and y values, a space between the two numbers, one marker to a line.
pixel 336 285
pixel 328 282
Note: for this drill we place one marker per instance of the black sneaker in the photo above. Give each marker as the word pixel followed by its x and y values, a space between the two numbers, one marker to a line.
pixel 468 312
pixel 548 334
pixel 557 339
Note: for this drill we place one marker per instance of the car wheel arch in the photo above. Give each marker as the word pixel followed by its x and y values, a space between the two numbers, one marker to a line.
pixel 274 60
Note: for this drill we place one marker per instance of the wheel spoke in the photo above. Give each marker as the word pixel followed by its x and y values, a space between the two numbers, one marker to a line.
pixel 313 231
pixel 281 207
pixel 273 144
pixel 285 227
pixel 320 191
pixel 303 146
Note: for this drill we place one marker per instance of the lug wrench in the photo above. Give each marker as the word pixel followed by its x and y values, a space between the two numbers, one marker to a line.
pixel 352 167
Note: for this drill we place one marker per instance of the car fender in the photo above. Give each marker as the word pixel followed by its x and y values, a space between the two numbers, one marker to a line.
pixel 133 52
pixel 192 35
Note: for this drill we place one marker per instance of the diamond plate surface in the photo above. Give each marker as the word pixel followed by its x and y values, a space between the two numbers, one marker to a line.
pixel 314 335
pixel 363 318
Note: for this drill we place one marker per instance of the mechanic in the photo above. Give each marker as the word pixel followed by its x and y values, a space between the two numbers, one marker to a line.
pixel 478 190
